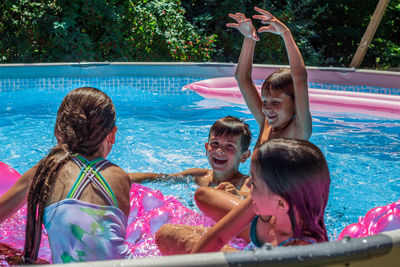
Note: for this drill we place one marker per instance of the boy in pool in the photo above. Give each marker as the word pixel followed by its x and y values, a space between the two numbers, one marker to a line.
pixel 227 146
pixel 289 190
pixel 282 110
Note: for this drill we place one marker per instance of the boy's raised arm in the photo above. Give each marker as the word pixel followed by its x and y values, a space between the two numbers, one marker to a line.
pixel 297 68
pixel 244 66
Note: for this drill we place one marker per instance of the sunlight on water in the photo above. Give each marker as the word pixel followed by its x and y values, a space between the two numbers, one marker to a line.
pixel 166 134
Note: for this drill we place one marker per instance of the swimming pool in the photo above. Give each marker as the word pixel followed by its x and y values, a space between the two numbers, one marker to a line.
pixel 162 129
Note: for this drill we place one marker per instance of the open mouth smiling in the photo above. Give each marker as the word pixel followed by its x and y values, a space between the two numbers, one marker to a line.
pixel 219 161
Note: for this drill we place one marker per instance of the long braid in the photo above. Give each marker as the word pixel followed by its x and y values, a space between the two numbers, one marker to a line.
pixel 38 195
pixel 84 119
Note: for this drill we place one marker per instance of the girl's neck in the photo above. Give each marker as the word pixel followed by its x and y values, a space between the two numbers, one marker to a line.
pixel 104 150
pixel 279 229
pixel 93 156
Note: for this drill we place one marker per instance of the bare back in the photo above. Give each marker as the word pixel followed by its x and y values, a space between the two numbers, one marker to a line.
pixel 114 175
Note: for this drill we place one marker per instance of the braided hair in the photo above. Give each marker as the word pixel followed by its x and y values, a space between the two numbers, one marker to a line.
pixel 84 119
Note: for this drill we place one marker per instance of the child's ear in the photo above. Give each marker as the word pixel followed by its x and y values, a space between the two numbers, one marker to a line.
pixel 111 136
pixel 282 205
pixel 245 156
pixel 58 138
pixel 206 145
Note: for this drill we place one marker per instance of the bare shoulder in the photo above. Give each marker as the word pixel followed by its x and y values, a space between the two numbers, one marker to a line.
pixel 204 178
pixel 299 130
pixel 115 173
pixel 120 184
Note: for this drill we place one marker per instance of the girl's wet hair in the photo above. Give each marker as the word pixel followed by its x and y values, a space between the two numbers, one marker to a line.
pixel 297 171
pixel 232 126
pixel 280 80
pixel 84 119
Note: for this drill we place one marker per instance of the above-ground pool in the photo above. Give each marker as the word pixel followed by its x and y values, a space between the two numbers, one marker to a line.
pixel 162 129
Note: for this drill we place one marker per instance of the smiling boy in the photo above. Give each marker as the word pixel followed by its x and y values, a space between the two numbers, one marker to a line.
pixel 282 110
pixel 227 146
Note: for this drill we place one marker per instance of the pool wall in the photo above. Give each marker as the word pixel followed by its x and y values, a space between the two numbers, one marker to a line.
pixel 18 75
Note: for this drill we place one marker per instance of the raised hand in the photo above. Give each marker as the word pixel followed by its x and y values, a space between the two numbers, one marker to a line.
pixel 275 26
pixel 228 187
pixel 244 25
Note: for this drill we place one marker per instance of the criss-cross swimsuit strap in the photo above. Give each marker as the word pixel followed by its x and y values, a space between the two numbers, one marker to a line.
pixel 90 172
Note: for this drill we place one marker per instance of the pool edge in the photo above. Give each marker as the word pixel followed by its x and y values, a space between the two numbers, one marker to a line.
pixel 344 76
pixel 378 250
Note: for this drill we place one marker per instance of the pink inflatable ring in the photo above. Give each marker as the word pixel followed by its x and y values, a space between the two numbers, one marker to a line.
pixel 8 176
pixel 149 210
pixel 377 220
pixel 226 89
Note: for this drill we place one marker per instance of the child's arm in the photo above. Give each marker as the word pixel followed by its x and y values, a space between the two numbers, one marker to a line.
pixel 230 188
pixel 16 196
pixel 225 229
pixel 197 173
pixel 244 66
pixel 139 178
pixel 297 68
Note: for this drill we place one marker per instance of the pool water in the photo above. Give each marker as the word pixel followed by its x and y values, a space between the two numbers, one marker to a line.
pixel 165 132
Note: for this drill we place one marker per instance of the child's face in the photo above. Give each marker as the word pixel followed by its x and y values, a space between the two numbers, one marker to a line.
pixel 224 153
pixel 264 201
pixel 278 108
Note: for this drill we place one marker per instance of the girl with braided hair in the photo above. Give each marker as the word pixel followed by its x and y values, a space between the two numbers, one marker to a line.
pixel 81 198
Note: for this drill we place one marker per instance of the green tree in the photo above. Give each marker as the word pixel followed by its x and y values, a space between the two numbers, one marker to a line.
pixel 211 17
pixel 160 32
pixel 99 30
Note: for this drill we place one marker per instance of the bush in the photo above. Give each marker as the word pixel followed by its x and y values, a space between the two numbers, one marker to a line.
pixel 99 30
pixel 23 29
pixel 211 17
pixel 327 32
pixel 161 32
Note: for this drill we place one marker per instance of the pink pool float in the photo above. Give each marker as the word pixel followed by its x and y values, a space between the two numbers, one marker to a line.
pixel 8 177
pixel 227 89
pixel 149 210
pixel 376 220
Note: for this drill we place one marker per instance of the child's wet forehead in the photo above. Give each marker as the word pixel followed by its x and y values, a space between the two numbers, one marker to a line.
pixel 272 94
pixel 230 138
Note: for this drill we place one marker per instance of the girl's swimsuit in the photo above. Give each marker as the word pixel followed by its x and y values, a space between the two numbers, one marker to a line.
pixel 82 231
pixel 255 244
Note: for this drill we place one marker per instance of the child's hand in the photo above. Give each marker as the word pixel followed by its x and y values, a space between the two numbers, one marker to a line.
pixel 275 26
pixel 244 25
pixel 228 187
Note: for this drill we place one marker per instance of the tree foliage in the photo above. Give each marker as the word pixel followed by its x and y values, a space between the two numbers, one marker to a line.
pixel 327 32
pixel 160 32
pixel 99 30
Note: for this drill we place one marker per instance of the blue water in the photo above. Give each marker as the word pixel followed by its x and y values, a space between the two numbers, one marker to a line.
pixel 166 132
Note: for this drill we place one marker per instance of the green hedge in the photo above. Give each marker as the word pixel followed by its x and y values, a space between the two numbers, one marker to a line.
pixel 99 30
pixel 327 32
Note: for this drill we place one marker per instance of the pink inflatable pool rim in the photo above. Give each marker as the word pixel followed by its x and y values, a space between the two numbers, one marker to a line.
pixel 382 105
